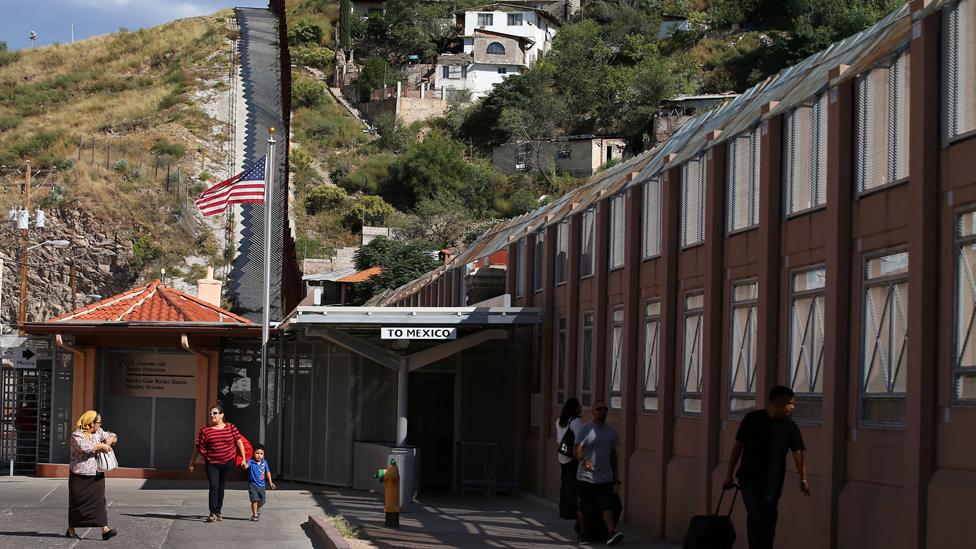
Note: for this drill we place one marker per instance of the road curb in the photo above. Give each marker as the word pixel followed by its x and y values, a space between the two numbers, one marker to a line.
pixel 326 533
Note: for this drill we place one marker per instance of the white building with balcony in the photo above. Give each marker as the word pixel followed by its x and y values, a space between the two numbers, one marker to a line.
pixel 498 40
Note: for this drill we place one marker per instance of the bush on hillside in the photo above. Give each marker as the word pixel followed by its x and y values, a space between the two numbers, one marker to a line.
pixel 314 56
pixel 308 93
pixel 304 33
pixel 375 74
pixel 367 210
pixel 325 198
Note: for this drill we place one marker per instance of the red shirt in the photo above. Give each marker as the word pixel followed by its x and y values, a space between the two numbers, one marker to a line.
pixel 218 445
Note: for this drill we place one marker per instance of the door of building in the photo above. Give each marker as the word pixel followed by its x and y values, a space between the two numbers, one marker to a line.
pixel 25 396
pixel 430 418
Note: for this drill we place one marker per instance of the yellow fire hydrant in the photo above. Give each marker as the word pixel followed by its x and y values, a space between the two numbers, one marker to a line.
pixel 390 477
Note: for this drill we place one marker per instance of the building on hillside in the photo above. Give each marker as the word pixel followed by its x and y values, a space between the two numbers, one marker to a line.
pixel 498 40
pixel 674 112
pixel 363 8
pixel 334 287
pixel 580 156
pixel 817 231
pixel 671 24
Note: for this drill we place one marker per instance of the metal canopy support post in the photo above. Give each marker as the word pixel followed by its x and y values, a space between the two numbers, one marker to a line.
pixel 269 167
pixel 401 426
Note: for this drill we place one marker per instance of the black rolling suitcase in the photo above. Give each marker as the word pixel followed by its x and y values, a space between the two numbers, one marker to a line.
pixel 712 531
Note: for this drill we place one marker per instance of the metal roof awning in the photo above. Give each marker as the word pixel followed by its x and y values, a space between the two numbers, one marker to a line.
pixel 373 317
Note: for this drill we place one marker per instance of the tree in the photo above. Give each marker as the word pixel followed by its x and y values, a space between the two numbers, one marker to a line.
pixel 345 26
pixel 442 220
pixel 367 210
pixel 426 169
pixel 376 73
pixel 401 263
pixel 393 136
pixel 325 198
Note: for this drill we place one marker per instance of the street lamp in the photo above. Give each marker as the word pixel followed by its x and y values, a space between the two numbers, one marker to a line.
pixel 52 243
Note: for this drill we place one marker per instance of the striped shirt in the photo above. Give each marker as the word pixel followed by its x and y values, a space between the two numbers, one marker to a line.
pixel 218 445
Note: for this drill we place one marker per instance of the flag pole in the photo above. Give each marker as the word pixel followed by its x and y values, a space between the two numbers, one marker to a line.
pixel 269 167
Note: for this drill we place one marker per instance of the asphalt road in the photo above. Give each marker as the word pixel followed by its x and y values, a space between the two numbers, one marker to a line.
pixel 152 514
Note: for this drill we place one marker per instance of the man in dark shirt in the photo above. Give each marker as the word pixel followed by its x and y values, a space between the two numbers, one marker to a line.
pixel 763 439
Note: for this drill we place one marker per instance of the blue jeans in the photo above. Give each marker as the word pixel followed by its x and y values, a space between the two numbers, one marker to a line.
pixel 217 478
pixel 761 514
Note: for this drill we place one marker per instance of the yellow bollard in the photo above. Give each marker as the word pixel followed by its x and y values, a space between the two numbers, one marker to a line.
pixel 391 489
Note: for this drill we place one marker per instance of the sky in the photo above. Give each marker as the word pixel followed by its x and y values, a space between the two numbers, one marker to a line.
pixel 52 19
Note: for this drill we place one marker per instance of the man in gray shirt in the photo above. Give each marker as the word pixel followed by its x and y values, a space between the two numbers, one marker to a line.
pixel 596 449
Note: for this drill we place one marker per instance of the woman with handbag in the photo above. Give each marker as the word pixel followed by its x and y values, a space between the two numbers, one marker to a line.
pixel 218 443
pixel 568 426
pixel 91 455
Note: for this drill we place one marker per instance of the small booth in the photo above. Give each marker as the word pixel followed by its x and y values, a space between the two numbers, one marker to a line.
pixel 149 360
pixel 357 384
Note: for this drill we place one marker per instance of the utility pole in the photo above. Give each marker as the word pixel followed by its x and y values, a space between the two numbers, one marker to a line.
pixel 24 236
pixel 74 286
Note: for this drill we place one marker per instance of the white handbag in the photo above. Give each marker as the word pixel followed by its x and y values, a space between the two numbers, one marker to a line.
pixel 105 461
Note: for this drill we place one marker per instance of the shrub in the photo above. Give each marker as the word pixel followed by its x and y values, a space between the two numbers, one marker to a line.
pixel 313 56
pixel 308 93
pixel 324 198
pixel 144 251
pixel 120 166
pixel 304 33
pixel 165 148
pixel 368 210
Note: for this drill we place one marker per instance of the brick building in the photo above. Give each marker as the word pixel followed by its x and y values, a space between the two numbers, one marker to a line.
pixel 817 231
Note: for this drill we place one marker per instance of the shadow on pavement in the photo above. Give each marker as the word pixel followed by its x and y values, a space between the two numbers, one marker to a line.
pixel 33 535
pixel 192 518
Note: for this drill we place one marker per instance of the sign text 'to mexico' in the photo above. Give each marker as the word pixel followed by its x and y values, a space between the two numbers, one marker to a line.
pixel 411 332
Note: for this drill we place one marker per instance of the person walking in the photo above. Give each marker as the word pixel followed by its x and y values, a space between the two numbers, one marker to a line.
pixel 218 443
pixel 260 475
pixel 762 441
pixel 568 426
pixel 596 450
pixel 86 484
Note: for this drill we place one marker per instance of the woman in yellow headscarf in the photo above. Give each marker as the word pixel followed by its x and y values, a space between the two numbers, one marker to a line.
pixel 86 485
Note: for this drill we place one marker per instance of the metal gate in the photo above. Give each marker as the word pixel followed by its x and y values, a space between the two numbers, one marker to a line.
pixel 26 427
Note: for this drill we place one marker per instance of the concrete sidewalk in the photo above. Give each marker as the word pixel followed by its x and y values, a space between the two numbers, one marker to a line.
pixel 155 514
pixel 453 521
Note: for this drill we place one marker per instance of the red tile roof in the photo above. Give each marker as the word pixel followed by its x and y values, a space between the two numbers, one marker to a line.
pixel 154 302
pixel 362 276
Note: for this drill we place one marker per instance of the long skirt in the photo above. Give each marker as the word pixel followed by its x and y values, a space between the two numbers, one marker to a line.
pixel 86 500
pixel 567 489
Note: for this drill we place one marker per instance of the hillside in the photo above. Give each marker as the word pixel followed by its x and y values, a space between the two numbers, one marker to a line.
pixel 122 130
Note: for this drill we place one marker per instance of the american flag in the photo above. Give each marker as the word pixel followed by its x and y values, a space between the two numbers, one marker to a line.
pixel 246 187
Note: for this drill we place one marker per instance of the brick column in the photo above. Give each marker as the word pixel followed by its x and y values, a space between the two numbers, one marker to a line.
pixel 836 366
pixel 770 202
pixel 923 274
pixel 712 328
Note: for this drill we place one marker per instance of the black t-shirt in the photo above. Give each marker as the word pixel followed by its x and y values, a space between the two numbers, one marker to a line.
pixel 765 443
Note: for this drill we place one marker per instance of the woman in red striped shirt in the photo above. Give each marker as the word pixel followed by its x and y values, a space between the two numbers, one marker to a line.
pixel 218 443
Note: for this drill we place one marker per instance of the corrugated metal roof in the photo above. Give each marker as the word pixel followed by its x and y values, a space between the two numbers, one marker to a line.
pixel 794 86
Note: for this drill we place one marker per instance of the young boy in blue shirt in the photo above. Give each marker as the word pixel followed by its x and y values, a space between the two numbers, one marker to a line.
pixel 259 471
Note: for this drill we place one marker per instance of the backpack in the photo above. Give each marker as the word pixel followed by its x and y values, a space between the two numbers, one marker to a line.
pixel 567 443
pixel 248 451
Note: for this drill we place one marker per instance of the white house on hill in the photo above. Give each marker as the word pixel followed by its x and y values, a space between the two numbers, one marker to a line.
pixel 498 40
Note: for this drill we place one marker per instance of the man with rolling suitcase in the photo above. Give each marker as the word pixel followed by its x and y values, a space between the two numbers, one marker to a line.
pixel 762 441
